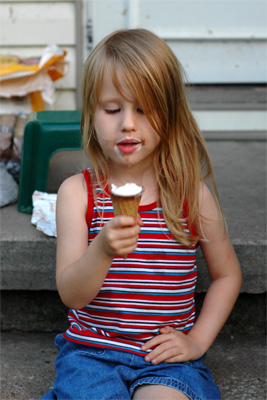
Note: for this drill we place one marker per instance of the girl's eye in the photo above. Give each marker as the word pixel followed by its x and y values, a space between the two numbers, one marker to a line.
pixel 139 110
pixel 112 111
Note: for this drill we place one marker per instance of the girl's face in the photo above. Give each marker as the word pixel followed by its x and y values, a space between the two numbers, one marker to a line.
pixel 123 131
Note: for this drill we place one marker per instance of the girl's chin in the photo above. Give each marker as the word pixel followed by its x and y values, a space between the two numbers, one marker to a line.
pixel 122 162
pixel 125 157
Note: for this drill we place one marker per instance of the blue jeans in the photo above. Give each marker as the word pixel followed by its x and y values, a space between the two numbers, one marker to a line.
pixel 92 373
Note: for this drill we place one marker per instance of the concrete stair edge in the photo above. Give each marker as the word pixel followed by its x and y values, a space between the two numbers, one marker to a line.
pixel 31 266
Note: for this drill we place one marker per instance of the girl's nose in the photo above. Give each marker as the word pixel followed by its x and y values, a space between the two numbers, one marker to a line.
pixel 128 121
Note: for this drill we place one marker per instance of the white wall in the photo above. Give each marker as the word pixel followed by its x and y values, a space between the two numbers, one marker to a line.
pixel 217 41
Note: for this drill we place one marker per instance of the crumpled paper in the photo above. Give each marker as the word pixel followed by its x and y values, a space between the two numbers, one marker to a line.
pixel 22 76
pixel 44 212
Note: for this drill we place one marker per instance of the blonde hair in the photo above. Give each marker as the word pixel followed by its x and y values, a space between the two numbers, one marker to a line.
pixel 155 77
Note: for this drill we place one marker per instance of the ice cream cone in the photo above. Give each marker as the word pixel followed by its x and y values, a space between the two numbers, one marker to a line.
pixel 126 204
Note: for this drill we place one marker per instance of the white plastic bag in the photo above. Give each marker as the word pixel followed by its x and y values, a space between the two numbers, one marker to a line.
pixel 44 212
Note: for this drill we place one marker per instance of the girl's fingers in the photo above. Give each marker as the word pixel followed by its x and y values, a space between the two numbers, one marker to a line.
pixel 121 230
pixel 128 235
pixel 167 346
pixel 156 341
pixel 123 221
pixel 177 358
pixel 163 346
pixel 163 337
pixel 165 356
pixel 125 247
pixel 163 352
pixel 121 235
pixel 167 329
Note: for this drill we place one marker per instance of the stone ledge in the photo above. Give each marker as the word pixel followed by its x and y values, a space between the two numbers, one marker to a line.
pixel 31 266
pixel 43 311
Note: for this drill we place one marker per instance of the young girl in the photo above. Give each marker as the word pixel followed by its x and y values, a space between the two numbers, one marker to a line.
pixel 132 327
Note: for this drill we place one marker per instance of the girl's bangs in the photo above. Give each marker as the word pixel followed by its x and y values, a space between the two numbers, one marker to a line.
pixel 139 85
pixel 136 85
pixel 141 90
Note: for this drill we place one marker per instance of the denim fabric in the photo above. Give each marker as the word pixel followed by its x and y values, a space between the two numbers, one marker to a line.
pixel 91 373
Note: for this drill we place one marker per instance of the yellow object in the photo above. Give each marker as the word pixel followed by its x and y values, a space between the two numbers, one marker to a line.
pixel 34 76
pixel 37 101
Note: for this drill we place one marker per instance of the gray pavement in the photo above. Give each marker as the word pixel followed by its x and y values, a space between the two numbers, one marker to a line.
pixel 238 365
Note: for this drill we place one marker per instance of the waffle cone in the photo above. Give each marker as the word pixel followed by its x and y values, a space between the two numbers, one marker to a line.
pixel 125 205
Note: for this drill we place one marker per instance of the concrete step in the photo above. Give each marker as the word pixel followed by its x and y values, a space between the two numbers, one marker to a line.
pixel 227 97
pixel 230 111
pixel 27 366
pixel 28 256
pixel 43 311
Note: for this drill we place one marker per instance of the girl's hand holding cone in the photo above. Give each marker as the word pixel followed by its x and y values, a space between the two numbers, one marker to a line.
pixel 120 235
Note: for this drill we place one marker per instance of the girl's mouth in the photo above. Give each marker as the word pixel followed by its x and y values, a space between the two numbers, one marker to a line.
pixel 128 146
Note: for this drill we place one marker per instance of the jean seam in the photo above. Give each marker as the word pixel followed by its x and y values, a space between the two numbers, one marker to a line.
pixel 90 354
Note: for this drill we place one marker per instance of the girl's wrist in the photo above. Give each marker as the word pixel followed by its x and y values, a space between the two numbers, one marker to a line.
pixel 102 250
pixel 200 341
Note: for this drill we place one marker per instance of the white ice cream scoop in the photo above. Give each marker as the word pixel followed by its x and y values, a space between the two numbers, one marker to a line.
pixel 127 190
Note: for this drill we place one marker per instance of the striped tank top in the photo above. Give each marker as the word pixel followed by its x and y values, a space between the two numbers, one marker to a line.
pixel 152 288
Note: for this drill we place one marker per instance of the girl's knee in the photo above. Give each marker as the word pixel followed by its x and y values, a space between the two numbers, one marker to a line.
pixel 158 392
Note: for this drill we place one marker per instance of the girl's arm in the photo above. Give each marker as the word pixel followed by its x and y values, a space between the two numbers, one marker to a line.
pixel 225 273
pixel 81 269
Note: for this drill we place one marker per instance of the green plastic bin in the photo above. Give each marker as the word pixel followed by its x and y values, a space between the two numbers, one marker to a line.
pixel 45 134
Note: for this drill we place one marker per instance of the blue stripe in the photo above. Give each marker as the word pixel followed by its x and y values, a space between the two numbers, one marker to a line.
pixel 176 253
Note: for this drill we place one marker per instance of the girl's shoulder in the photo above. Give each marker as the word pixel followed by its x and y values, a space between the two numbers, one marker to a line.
pixel 74 182
pixel 207 204
pixel 210 225
pixel 73 191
